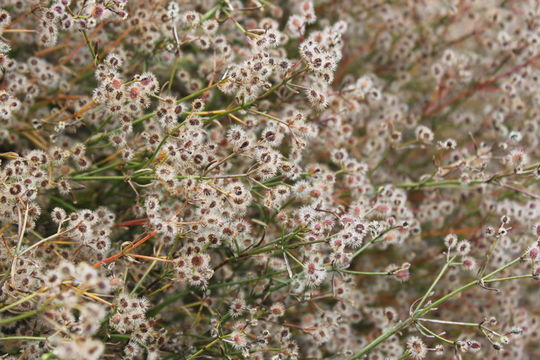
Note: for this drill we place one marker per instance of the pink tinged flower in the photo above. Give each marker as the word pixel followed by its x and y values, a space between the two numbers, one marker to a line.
pixel 416 347
pixel 117 84
pixel 238 340
pixel 533 253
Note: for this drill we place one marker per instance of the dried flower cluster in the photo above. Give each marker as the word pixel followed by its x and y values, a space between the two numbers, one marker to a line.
pixel 281 180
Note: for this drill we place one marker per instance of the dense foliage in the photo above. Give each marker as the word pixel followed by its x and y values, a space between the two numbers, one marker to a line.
pixel 265 179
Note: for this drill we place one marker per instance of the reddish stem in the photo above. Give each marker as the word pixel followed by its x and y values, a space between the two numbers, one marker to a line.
pixel 485 85
pixel 132 222
pixel 123 252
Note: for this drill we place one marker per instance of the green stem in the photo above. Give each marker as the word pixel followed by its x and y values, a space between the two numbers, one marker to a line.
pixel 448 322
pixel 22 316
pixel 100 178
pixel 18 302
pixel 435 282
pixel 418 314
pixel 435 335
pixel 250 103
pixel 63 203
pixel 205 347
pixel 363 272
pixel 173 73
pixel 450 182
pixel 98 170
pixel 200 92
pixel 181 294
pixel 224 113
pixel 90 47
pixel 139 283
pixel 405 355
pixel 527 276
pixel 372 241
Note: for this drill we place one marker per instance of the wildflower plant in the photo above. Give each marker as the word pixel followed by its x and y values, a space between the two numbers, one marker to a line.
pixel 256 179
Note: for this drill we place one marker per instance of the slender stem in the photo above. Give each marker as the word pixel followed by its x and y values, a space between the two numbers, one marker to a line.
pixel 21 301
pixel 7 31
pixel 202 91
pixel 405 355
pixel 173 73
pixel 90 47
pixel 123 252
pixel 363 272
pixel 95 139
pixel 467 286
pixel 527 276
pixel 432 333
pixel 63 203
pixel 385 335
pixel 139 283
pixel 372 241
pixel 184 293
pixel 54 236
pixel 11 338
pixel 205 347
pixel 22 229
pixel 22 316
pixel 294 258
pixel 419 313
pixel 141 280
pixel 448 322
pixel 99 178
pixel 146 176
pixel 437 279
pixel 98 170
pixel 250 103
pixel 450 182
